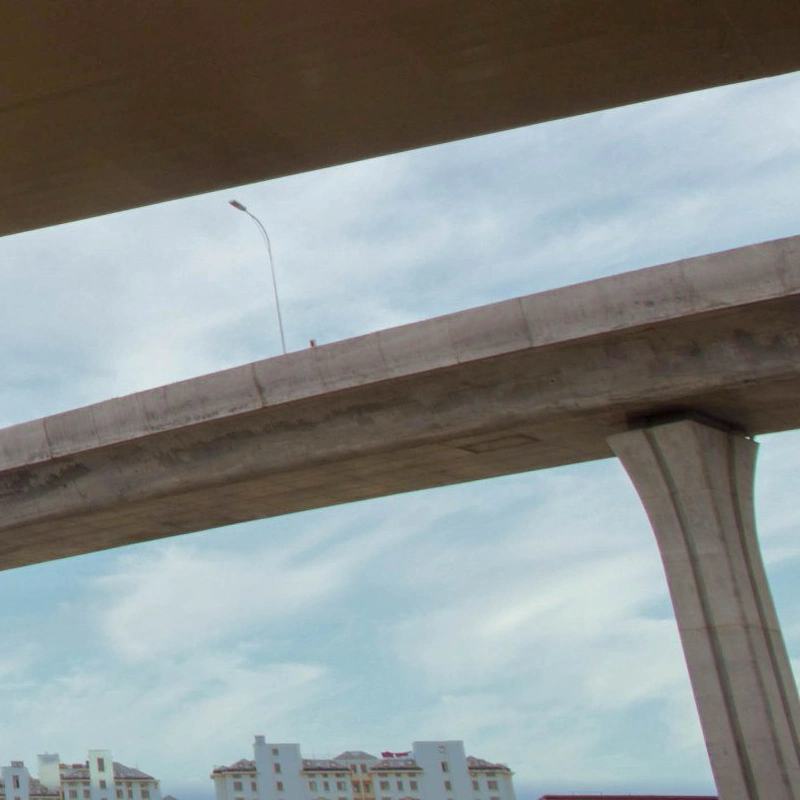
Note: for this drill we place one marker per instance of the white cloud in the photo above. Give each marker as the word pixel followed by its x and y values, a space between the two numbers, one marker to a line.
pixel 162 715
pixel 180 598
pixel 176 597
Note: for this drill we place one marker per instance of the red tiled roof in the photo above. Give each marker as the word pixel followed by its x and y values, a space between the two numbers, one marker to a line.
pixel 481 763
pixel 80 772
pixel 393 765
pixel 242 765
pixel 354 755
pixel 323 765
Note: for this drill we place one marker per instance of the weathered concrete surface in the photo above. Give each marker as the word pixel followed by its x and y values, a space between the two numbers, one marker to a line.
pixel 524 384
pixel 696 484
pixel 107 106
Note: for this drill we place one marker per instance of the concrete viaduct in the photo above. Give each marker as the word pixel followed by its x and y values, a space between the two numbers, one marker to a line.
pixel 107 106
pixel 673 369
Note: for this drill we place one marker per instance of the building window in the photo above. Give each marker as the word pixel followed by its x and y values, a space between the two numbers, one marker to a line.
pixel 341 785
pixel 312 785
pixel 101 765
pixel 276 768
pixel 326 786
pixel 119 794
pixel 237 786
pixel 399 786
pixel 146 794
pixel 279 786
pixel 16 781
pixel 445 767
pixel 412 785
pixel 253 786
pixel 475 786
pixel 368 787
pixel 274 751
pixel 491 785
pixel 448 786
pixel 363 768
pixel 384 785
pixel 73 794
pixel 86 793
pixel 102 784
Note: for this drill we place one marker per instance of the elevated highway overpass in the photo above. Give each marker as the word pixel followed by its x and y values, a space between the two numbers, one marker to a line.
pixel 524 384
pixel 106 106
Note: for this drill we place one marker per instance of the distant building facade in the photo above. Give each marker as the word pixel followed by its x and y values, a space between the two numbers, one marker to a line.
pixel 627 797
pixel 16 783
pixel 429 771
pixel 98 778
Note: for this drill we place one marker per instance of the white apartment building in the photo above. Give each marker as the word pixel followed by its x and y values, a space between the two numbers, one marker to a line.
pixel 429 771
pixel 98 778
pixel 16 783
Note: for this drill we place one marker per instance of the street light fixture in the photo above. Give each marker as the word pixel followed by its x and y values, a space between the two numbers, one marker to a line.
pixel 239 207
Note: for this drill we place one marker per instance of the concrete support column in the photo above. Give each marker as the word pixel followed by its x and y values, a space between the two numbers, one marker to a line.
pixel 696 483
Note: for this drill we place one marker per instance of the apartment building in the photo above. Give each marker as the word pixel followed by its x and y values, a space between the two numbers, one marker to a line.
pixel 579 796
pixel 429 771
pixel 98 778
pixel 16 783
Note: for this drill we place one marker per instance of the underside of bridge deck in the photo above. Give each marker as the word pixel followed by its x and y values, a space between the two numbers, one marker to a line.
pixel 108 106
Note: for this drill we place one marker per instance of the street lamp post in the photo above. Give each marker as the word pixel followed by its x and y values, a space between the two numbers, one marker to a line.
pixel 239 207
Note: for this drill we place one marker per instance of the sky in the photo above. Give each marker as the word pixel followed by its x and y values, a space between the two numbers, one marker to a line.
pixel 526 615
